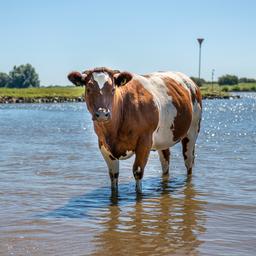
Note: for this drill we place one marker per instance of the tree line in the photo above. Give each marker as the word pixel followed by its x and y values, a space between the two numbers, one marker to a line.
pixel 22 76
pixel 225 80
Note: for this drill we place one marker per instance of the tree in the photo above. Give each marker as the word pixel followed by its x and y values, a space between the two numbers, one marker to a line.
pixel 198 81
pixel 228 80
pixel 4 79
pixel 23 76
pixel 247 80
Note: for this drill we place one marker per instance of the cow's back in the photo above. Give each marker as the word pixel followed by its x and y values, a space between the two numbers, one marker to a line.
pixel 175 96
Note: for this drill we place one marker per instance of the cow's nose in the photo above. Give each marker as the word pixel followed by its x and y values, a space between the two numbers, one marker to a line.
pixel 102 114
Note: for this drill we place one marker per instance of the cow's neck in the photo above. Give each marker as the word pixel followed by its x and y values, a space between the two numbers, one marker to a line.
pixel 109 131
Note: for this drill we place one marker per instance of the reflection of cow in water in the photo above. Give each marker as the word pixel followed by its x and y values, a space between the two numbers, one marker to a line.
pixel 134 114
pixel 169 223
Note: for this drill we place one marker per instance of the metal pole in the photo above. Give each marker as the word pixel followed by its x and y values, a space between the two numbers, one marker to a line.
pixel 212 78
pixel 200 41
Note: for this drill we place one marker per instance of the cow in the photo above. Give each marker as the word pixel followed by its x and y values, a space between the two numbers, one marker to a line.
pixel 134 114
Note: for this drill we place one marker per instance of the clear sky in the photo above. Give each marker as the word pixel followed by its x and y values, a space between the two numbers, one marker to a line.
pixel 58 36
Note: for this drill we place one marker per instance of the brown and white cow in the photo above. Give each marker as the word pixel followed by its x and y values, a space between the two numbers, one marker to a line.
pixel 133 114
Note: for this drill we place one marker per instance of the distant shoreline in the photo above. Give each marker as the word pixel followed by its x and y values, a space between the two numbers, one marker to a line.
pixel 13 100
pixel 57 94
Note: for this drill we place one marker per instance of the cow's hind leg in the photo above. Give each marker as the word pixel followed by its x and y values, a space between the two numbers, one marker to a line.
pixel 188 144
pixel 188 149
pixel 164 156
pixel 113 167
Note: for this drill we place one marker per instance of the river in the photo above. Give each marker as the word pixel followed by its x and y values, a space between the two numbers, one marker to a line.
pixel 55 196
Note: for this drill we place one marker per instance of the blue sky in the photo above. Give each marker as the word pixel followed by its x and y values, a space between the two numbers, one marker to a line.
pixel 139 36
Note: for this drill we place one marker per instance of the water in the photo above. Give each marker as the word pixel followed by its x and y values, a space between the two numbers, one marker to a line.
pixel 55 197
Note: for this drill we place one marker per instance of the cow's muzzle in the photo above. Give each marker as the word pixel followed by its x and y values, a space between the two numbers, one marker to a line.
pixel 102 115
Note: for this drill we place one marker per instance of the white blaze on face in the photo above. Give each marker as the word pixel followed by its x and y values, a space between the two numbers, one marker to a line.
pixel 101 78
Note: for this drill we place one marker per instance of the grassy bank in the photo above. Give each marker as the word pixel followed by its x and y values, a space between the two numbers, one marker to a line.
pixel 243 87
pixel 71 93
pixel 42 92
pixel 214 91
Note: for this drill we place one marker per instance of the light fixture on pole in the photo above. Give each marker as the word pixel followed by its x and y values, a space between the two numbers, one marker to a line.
pixel 200 41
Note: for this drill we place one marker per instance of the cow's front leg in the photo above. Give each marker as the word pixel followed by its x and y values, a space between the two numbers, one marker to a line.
pixel 113 167
pixel 141 157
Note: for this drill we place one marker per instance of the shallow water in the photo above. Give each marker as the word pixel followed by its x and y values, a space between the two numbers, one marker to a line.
pixel 55 197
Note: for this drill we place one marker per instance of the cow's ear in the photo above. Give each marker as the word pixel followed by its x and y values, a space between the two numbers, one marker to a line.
pixel 77 78
pixel 122 78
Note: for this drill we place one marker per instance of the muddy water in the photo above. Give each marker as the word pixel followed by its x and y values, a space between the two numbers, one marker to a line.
pixel 55 197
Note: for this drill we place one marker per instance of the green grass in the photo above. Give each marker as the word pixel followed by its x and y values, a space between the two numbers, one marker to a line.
pixel 43 92
pixel 74 92
pixel 214 91
pixel 242 87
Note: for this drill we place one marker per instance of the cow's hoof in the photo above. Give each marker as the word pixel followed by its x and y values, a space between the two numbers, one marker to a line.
pixel 114 184
pixel 189 172
pixel 139 186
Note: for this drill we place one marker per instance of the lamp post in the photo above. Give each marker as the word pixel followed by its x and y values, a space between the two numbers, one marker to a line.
pixel 212 78
pixel 200 41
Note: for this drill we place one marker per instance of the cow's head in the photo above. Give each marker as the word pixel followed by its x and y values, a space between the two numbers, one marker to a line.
pixel 100 88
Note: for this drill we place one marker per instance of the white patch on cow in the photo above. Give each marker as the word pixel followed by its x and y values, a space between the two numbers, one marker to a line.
pixel 192 135
pixel 83 77
pixel 106 154
pixel 181 78
pixel 128 155
pixel 138 170
pixel 186 81
pixel 113 165
pixel 101 78
pixel 162 136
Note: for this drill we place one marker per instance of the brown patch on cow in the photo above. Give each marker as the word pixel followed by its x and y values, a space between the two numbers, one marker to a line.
pixel 182 102
pixel 196 96
pixel 184 142
pixel 100 143
pixel 134 115
pixel 166 154
pixel 199 96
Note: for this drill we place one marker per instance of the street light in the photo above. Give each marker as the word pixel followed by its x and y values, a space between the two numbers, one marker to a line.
pixel 200 41
pixel 212 78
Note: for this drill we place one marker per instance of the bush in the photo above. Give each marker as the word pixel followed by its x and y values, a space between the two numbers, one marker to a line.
pixel 198 81
pixel 225 89
pixel 228 80
pixel 253 88
pixel 4 79
pixel 236 88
